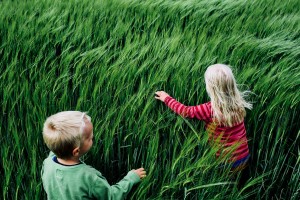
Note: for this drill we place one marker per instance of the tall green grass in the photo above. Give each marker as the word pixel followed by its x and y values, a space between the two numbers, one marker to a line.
pixel 108 57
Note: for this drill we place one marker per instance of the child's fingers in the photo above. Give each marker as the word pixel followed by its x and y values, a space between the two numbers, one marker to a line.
pixel 159 92
pixel 141 173
pixel 140 169
pixel 143 176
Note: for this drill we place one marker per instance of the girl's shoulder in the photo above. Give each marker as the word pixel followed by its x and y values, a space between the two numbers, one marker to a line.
pixel 208 107
pixel 206 111
pixel 208 104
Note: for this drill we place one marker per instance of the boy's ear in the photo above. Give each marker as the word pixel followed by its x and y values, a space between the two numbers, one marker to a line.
pixel 76 151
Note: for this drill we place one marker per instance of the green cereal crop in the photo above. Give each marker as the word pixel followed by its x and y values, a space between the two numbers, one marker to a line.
pixel 108 57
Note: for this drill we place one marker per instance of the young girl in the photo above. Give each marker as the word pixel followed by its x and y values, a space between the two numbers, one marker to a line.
pixel 223 115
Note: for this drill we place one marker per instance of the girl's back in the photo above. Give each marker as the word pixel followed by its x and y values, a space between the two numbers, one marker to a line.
pixel 231 138
pixel 224 114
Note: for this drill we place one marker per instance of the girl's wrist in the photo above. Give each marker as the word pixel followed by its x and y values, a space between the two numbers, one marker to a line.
pixel 166 100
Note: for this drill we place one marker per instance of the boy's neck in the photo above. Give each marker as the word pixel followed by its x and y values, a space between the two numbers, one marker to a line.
pixel 70 161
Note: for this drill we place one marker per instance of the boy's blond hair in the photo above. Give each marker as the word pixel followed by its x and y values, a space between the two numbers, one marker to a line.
pixel 62 132
pixel 228 103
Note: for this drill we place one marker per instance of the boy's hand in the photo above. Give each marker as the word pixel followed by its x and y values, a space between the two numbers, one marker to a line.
pixel 140 172
pixel 161 95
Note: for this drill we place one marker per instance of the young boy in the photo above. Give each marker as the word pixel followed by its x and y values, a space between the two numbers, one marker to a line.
pixel 69 135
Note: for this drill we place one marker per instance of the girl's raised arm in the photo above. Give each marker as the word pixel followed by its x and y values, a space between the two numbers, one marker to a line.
pixel 201 112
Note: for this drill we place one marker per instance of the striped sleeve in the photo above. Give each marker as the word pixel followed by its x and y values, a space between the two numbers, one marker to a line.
pixel 201 112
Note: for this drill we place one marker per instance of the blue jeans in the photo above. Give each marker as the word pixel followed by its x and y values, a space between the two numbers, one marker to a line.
pixel 241 161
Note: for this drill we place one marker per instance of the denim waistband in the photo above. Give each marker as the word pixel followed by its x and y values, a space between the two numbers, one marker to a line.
pixel 241 161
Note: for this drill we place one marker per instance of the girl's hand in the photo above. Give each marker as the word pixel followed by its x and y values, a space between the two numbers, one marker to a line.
pixel 161 95
pixel 140 172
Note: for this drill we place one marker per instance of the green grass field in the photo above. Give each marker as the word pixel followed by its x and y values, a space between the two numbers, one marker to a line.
pixel 108 57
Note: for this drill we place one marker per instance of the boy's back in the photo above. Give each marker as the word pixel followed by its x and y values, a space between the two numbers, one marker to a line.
pixel 81 181
pixel 69 135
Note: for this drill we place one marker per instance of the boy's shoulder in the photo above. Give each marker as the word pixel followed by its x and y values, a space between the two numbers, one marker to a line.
pixel 74 181
pixel 50 165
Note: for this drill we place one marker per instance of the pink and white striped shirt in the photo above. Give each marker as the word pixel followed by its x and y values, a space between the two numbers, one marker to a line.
pixel 234 136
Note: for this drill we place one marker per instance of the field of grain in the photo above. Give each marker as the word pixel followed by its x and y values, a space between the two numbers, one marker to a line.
pixel 108 57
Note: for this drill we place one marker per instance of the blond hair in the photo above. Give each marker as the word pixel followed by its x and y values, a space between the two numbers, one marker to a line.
pixel 228 103
pixel 62 132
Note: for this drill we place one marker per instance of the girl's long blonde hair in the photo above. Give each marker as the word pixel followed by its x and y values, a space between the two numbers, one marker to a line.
pixel 228 103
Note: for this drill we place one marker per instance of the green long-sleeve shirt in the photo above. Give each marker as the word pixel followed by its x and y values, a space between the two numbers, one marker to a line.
pixel 82 182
